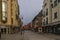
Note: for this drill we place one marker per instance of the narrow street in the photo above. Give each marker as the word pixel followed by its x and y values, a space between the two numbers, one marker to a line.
pixel 29 35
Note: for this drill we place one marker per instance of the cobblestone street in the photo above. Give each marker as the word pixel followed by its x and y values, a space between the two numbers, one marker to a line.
pixel 28 35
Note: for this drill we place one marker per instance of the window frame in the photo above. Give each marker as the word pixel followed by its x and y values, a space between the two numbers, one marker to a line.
pixel 4 11
pixel 55 15
pixel 55 3
pixel 46 11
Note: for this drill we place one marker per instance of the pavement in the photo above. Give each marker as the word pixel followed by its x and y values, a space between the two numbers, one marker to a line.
pixel 29 35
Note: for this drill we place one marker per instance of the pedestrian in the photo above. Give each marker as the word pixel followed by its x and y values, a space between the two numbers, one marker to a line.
pixel 22 31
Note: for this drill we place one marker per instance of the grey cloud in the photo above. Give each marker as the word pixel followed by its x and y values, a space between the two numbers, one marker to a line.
pixel 29 9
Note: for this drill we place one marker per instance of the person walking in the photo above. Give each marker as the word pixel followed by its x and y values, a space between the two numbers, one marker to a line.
pixel 22 31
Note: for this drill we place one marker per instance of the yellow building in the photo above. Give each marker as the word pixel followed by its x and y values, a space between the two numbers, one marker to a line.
pixel 9 16
pixel 51 16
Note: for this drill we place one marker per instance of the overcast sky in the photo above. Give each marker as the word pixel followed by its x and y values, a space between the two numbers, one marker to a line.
pixel 29 9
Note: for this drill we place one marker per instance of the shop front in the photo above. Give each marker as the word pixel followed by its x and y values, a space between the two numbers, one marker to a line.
pixel 3 29
pixel 56 29
pixel 52 28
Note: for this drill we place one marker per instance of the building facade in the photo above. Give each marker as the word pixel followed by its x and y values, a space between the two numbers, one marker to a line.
pixel 37 22
pixel 47 15
pixel 56 16
pixel 51 16
pixel 9 16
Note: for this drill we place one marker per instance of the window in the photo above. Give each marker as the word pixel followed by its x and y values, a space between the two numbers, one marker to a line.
pixel 16 16
pixel 55 15
pixel 4 16
pixel 4 11
pixel 37 19
pixel 46 20
pixel 46 12
pixel 37 23
pixel 52 5
pixel 12 20
pixel 50 0
pixel 58 1
pixel 55 3
pixel 45 4
pixel 43 23
pixel 3 6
